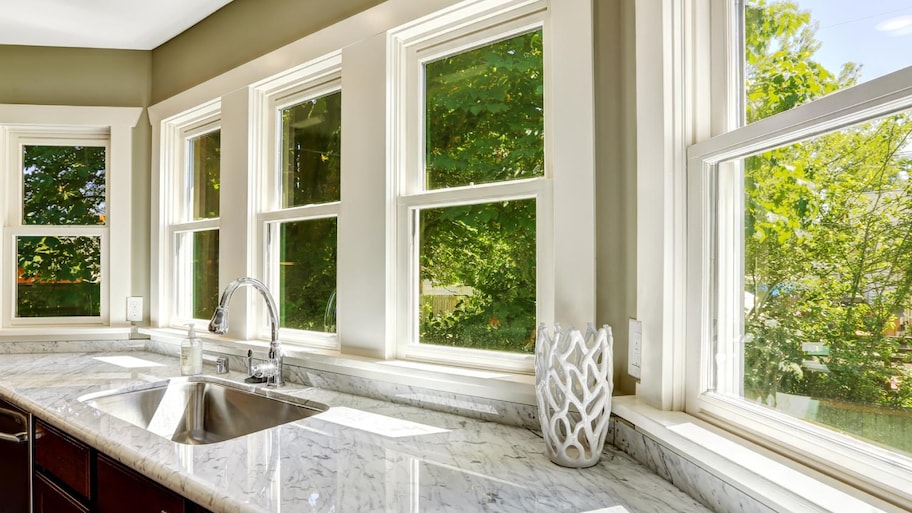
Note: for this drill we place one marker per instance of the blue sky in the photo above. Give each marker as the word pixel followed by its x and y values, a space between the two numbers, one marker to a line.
pixel 874 33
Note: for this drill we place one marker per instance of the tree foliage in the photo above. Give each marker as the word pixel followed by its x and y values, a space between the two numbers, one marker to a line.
pixel 60 275
pixel 484 124
pixel 828 234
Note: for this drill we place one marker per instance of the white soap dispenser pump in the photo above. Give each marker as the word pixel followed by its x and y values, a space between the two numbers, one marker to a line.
pixel 191 353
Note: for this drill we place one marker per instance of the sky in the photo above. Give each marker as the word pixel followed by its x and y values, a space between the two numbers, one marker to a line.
pixel 874 33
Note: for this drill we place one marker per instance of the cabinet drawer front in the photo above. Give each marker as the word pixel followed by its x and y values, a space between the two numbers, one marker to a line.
pixel 121 489
pixel 49 498
pixel 65 458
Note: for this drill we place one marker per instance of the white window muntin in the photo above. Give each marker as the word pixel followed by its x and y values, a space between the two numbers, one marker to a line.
pixel 715 257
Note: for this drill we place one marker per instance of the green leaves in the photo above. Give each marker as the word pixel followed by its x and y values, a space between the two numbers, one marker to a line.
pixel 828 233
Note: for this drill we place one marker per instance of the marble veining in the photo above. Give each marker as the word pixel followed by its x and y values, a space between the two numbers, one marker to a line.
pixel 687 476
pixel 453 464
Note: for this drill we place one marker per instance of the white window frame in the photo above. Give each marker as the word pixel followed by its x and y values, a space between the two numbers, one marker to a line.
pixel 110 127
pixel 309 81
pixel 449 33
pixel 176 207
pixel 880 472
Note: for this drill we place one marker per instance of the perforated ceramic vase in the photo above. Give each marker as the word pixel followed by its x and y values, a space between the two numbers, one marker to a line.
pixel 573 383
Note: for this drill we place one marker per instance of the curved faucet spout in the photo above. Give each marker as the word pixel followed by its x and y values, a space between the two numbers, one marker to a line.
pixel 219 322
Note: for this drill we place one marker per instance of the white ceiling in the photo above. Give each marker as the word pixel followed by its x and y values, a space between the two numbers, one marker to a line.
pixel 126 24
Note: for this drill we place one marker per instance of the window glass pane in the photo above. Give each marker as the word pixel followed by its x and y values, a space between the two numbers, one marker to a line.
pixel 827 275
pixel 799 50
pixel 477 277
pixel 307 274
pixel 484 118
pixel 63 185
pixel 205 273
pixel 58 276
pixel 311 134
pixel 205 165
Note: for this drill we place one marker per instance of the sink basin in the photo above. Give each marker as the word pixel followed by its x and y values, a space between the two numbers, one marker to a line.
pixel 199 410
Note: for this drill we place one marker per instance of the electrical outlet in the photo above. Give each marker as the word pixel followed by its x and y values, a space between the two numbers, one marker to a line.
pixel 634 347
pixel 134 308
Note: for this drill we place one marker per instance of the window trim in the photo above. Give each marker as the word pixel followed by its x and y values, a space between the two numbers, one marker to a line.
pixel 85 124
pixel 880 472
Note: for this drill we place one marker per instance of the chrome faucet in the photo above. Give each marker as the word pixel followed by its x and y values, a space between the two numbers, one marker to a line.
pixel 272 369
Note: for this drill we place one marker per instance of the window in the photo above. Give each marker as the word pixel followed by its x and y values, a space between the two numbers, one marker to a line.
pixel 194 213
pixel 471 198
pixel 798 256
pixel 477 269
pixel 62 185
pixel 301 204
pixel 61 214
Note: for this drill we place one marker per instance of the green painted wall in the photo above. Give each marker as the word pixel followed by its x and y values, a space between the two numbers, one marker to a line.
pixel 75 76
pixel 238 33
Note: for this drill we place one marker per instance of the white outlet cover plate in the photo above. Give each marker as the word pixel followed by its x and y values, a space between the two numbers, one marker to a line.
pixel 134 308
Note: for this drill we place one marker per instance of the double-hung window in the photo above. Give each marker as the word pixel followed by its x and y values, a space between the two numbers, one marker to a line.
pixel 474 204
pixel 192 242
pixel 66 178
pixel 799 274
pixel 299 217
pixel 59 241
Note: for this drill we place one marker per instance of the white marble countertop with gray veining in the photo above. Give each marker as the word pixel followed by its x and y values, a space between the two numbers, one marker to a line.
pixel 348 460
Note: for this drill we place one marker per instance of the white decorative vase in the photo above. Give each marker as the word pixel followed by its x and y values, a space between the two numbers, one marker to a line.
pixel 573 383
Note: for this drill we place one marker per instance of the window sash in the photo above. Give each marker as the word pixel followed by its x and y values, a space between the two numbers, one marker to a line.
pixel 715 226
pixel 11 250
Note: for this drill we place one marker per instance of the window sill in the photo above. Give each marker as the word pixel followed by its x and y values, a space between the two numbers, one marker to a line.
pixel 47 333
pixel 500 386
pixel 732 465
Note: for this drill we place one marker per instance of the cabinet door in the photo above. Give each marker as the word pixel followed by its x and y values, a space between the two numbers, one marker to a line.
pixel 14 460
pixel 49 498
pixel 121 489
pixel 64 457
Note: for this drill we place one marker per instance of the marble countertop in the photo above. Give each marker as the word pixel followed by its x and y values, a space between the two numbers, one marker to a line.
pixel 363 455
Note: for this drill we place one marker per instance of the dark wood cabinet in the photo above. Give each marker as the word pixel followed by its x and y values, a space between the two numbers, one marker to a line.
pixel 14 459
pixel 50 498
pixel 63 459
pixel 121 489
pixel 71 477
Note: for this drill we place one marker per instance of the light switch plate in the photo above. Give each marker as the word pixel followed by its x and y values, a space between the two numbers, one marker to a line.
pixel 134 308
pixel 634 347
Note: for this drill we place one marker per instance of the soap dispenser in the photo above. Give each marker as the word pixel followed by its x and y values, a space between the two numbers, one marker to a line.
pixel 191 353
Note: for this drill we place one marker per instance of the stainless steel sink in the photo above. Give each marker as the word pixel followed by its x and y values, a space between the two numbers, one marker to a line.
pixel 200 410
